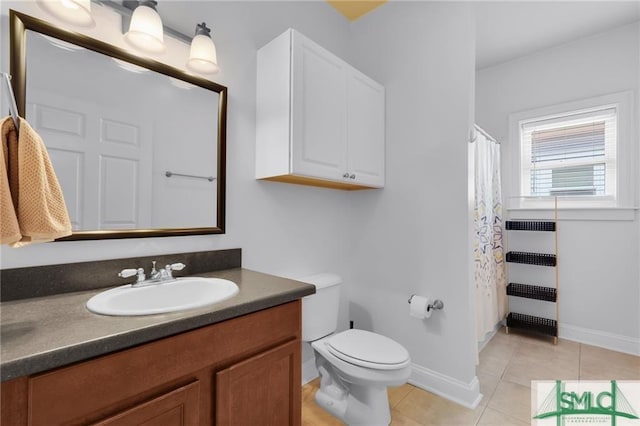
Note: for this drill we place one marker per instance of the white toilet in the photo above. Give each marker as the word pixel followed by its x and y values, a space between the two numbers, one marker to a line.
pixel 355 366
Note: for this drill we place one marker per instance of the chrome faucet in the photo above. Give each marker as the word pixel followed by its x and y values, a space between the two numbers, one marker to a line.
pixel 155 276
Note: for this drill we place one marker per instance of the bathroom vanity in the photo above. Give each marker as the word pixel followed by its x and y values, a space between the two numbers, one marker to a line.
pixel 233 363
pixel 238 372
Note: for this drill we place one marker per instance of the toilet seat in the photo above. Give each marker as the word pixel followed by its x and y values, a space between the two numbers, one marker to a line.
pixel 367 349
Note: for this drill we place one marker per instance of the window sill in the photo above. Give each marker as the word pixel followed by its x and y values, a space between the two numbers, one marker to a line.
pixel 575 213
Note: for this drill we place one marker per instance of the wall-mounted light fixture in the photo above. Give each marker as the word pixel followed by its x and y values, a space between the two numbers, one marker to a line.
pixel 142 28
pixel 75 12
pixel 145 29
pixel 203 57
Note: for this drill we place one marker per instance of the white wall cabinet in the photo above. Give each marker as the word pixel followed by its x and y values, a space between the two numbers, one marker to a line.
pixel 320 121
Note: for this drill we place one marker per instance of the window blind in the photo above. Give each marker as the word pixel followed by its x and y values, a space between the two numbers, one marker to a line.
pixel 570 155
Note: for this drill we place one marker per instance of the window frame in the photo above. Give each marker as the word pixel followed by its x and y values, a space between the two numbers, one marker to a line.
pixel 625 153
pixel 570 119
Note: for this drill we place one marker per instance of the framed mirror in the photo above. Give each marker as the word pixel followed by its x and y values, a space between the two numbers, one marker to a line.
pixel 139 147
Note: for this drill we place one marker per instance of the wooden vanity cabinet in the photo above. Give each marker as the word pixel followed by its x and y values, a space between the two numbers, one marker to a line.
pixel 243 371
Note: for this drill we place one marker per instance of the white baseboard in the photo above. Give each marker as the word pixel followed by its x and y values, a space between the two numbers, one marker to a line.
pixel 466 394
pixel 615 342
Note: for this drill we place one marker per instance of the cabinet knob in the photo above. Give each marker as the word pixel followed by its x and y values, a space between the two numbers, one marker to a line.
pixel 353 176
pixel 346 175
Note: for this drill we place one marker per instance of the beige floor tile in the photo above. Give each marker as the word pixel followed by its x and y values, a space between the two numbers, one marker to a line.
pixel 525 368
pixel 312 415
pixel 488 384
pixel 607 371
pixel 491 417
pixel 396 394
pixel 544 348
pixel 315 382
pixel 418 404
pixel 492 365
pixel 497 352
pixel 308 392
pixel 429 409
pixel 513 400
pixel 525 336
pixel 502 341
pixel 502 334
pixel 399 419
pixel 628 360
pixel 603 364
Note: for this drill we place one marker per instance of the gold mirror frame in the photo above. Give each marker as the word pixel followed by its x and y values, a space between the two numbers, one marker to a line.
pixel 20 23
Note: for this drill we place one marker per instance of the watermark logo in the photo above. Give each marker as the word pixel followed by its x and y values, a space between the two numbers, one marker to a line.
pixel 580 402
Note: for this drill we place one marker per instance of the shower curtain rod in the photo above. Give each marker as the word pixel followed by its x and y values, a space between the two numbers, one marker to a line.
pixel 487 135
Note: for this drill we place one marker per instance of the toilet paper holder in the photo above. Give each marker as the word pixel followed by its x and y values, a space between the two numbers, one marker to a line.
pixel 436 305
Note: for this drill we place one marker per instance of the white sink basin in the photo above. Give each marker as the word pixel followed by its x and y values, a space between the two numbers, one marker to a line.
pixel 178 295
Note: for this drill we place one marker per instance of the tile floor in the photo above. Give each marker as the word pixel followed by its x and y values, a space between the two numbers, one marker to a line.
pixel 507 365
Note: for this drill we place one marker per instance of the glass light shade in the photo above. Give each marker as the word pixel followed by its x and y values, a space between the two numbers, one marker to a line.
pixel 203 57
pixel 75 12
pixel 145 30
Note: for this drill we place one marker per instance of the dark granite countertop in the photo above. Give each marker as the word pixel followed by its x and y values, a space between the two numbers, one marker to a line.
pixel 43 333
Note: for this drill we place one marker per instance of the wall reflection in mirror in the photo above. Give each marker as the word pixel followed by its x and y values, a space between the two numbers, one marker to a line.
pixel 134 149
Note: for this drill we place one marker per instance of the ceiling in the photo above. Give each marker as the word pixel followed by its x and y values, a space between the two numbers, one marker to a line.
pixel 506 30
pixel 509 29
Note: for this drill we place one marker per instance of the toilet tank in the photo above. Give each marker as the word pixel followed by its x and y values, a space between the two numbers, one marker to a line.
pixel 320 310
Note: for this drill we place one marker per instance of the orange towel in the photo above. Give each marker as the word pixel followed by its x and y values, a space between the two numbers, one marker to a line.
pixel 9 228
pixel 35 193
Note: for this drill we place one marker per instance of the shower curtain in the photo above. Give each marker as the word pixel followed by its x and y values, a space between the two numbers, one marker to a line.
pixel 490 277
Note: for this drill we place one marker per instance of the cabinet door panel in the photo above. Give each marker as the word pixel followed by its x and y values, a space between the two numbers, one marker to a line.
pixel 177 408
pixel 263 390
pixel 366 129
pixel 318 111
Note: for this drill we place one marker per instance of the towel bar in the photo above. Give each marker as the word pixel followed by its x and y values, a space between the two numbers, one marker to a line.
pixel 13 108
pixel 169 173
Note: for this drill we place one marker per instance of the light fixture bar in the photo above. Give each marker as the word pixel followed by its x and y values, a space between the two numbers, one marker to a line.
pixel 126 10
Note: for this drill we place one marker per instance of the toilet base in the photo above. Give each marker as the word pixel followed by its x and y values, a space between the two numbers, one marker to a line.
pixel 355 404
pixel 354 394
pixel 361 406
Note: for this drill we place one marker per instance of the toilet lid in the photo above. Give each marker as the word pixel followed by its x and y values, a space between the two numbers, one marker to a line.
pixel 368 349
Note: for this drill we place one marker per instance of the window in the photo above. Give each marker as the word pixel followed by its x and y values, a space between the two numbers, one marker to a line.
pixel 570 155
pixel 581 152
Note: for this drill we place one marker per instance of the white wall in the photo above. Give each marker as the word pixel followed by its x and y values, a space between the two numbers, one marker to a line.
pixel 412 237
pixel 599 280
pixel 282 229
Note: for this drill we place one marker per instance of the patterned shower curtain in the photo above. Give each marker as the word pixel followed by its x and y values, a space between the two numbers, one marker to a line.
pixel 491 299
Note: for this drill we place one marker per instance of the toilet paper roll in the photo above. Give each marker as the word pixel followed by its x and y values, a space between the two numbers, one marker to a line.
pixel 418 307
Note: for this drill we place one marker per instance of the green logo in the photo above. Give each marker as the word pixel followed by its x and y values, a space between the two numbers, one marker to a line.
pixel 585 402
